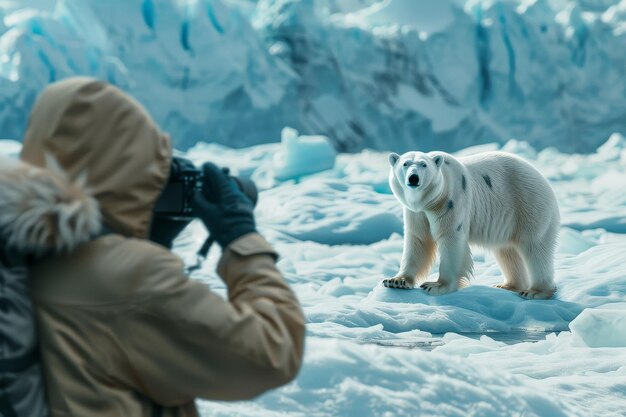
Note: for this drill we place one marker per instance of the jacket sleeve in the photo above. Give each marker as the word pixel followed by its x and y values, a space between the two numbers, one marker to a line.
pixel 184 341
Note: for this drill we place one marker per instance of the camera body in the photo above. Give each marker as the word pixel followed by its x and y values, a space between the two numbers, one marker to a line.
pixel 175 201
pixel 174 209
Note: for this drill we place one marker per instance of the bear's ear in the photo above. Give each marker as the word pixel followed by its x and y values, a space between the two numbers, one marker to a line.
pixel 438 159
pixel 393 158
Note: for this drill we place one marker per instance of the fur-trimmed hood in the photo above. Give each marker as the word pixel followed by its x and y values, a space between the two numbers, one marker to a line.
pixel 42 211
pixel 97 132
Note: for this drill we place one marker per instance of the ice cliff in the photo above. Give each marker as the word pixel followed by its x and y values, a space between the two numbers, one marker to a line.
pixel 383 74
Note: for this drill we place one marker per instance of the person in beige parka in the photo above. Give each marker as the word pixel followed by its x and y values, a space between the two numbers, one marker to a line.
pixel 123 330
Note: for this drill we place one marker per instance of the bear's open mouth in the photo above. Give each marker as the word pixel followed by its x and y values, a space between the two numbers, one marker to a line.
pixel 414 180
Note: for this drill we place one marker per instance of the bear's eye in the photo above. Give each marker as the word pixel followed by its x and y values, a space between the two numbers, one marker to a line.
pixel 423 164
pixel 406 163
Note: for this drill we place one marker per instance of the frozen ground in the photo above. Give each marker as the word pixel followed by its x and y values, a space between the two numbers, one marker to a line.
pixel 374 351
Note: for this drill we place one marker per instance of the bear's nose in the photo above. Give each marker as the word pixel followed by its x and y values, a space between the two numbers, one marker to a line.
pixel 414 180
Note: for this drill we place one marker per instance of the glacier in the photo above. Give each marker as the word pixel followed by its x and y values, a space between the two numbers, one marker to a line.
pixel 368 74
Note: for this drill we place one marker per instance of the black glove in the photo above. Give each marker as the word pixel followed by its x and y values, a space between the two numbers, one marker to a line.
pixel 223 208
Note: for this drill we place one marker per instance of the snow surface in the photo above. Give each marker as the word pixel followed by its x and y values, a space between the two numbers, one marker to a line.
pixel 379 74
pixel 482 351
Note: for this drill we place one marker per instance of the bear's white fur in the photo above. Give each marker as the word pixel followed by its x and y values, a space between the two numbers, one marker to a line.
pixel 493 199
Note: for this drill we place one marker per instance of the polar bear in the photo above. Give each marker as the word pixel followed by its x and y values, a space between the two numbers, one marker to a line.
pixel 493 199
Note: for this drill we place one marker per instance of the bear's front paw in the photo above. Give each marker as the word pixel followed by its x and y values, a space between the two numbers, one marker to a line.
pixel 538 294
pixel 437 288
pixel 400 283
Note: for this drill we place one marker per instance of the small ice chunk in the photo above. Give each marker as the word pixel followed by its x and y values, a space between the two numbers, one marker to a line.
pixel 302 155
pixel 10 148
pixel 604 326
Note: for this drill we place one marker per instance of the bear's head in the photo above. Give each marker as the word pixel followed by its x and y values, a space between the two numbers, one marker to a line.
pixel 415 178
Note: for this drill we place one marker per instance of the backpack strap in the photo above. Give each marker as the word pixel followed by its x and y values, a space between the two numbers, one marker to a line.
pixel 15 365
pixel 19 363
pixel 104 230
pixel 6 409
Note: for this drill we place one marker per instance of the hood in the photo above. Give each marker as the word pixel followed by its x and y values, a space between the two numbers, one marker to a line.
pixel 94 129
pixel 41 210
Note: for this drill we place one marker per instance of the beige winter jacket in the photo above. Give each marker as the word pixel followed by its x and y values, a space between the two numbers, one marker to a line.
pixel 123 330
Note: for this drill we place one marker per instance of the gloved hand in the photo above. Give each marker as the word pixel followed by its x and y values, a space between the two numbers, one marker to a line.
pixel 223 208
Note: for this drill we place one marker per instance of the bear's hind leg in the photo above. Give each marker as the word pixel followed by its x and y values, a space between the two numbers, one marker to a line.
pixel 539 259
pixel 513 269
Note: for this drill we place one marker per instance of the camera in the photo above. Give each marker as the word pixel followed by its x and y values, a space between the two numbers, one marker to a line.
pixel 173 210
pixel 175 202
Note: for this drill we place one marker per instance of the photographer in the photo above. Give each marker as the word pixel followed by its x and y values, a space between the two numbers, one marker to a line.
pixel 123 330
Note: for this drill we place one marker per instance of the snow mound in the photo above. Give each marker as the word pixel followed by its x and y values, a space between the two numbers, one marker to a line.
pixel 478 308
pixel 302 155
pixel 573 242
pixel 301 210
pixel 604 326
